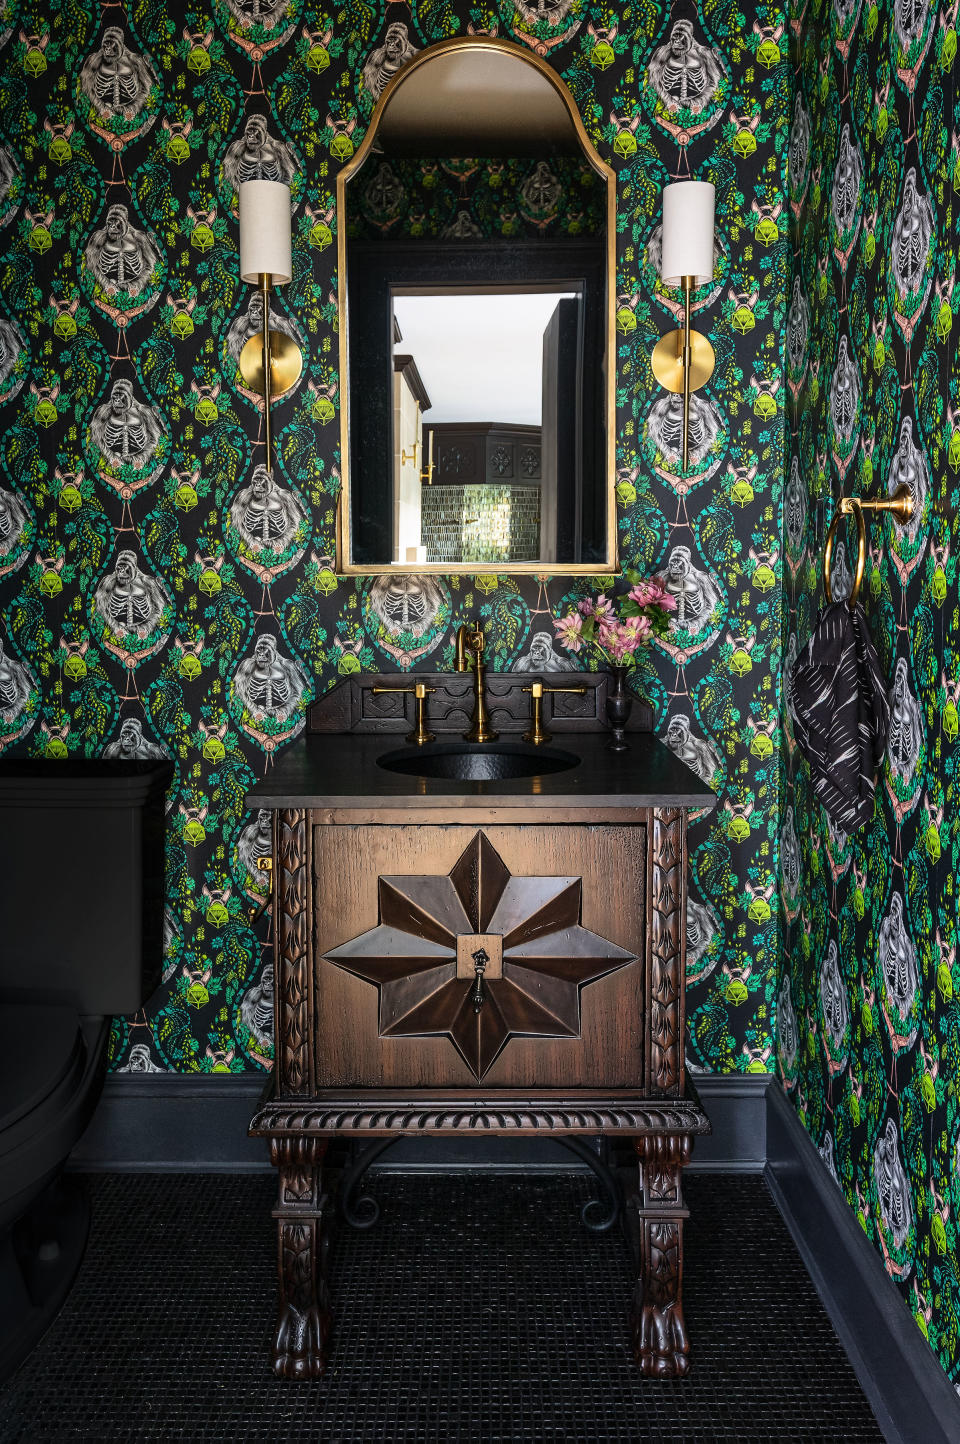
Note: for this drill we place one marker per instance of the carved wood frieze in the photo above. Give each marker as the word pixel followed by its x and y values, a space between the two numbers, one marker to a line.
pixel 352 1116
pixel 665 1010
pixel 480 955
pixel 292 972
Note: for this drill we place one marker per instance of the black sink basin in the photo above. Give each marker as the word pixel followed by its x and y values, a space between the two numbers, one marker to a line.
pixel 477 761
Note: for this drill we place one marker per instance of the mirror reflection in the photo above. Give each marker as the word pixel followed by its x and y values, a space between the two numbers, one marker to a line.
pixel 479 379
pixel 477 326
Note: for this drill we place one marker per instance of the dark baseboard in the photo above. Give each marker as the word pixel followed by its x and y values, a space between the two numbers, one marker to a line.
pixel 912 1398
pixel 174 1123
pixel 177 1123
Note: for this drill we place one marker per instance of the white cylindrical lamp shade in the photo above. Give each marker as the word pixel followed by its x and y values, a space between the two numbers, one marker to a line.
pixel 265 231
pixel 688 224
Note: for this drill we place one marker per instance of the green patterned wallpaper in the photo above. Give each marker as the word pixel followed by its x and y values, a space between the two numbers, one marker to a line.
pixel 141 609
pixel 869 996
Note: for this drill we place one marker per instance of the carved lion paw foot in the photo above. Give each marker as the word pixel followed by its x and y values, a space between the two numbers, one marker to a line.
pixel 300 1349
pixel 660 1344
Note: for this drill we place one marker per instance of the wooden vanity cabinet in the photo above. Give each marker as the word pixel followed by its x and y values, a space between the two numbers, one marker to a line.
pixel 478 969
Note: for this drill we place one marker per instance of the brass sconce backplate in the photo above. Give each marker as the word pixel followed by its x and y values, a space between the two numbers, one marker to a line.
pixel 667 361
pixel 286 363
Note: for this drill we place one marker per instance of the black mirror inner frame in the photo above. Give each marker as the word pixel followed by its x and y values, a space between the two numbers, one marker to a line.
pixel 412 119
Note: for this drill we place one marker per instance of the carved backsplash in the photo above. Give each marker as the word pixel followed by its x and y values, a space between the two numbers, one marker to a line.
pixel 355 706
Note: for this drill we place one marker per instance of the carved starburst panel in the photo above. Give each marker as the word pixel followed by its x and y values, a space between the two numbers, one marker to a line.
pixel 479 955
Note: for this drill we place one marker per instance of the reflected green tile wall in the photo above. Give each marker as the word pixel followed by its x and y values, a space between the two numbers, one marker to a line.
pixel 135 590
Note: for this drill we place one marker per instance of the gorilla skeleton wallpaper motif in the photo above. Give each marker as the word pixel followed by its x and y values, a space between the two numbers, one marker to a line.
pixel 909 468
pixel 129 600
pixel 115 79
pixel 266 515
pixel 16 685
pixel 685 73
pixel 267 14
pixel 696 593
pixel 844 394
pixel 697 753
pixel 8 174
pixel 912 236
pixel 798 153
pixel 256 841
pixel 258 155
pixel 12 348
pixel 541 657
pixel 126 431
pixel 250 323
pixel 798 329
pixel 121 257
pixel 893 1191
pixel 269 684
pixel 386 60
pixel 834 1004
pixel 666 428
pixel 14 519
pixel 847 182
pixel 132 746
pixel 406 604
pixel 905 733
pixel 795 510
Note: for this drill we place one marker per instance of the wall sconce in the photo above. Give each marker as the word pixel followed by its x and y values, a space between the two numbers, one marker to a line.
pixel 269 364
pixel 683 360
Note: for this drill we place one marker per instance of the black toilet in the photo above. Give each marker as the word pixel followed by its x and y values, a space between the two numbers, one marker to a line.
pixel 81 920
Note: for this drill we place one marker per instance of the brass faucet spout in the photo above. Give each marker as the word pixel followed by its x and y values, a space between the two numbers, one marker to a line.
pixel 470 648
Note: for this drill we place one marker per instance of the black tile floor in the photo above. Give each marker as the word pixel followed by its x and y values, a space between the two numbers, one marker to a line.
pixel 477 1309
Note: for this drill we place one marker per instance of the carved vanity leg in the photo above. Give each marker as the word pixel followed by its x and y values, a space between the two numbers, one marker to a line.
pixel 660 1343
pixel 303 1312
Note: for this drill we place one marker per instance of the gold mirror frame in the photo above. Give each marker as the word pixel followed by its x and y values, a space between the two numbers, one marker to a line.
pixel 344 566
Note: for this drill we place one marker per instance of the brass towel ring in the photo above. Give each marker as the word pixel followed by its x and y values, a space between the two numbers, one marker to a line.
pixel 900 504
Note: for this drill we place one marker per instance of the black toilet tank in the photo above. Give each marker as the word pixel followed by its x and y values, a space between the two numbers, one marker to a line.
pixel 81 881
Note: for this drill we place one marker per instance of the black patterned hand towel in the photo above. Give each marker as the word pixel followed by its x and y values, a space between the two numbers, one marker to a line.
pixel 841 711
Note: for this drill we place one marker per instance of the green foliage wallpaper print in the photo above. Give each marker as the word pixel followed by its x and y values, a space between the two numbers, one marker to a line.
pixel 138 606
pixel 868 1021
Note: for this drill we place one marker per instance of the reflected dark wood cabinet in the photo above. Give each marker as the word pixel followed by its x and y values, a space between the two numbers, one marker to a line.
pixel 474 968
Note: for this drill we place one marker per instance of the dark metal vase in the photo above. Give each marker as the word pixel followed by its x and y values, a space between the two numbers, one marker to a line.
pixel 619 702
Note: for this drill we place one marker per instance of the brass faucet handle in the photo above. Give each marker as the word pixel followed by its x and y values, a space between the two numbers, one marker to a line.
pixel 419 735
pixel 537 690
pixel 535 732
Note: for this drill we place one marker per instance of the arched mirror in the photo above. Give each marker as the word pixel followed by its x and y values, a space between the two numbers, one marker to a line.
pixel 476 234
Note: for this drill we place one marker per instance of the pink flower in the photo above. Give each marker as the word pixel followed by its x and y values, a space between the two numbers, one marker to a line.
pixel 603 607
pixel 568 631
pixel 653 592
pixel 642 627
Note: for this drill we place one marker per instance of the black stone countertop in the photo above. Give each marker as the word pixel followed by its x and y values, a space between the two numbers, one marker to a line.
pixel 340 771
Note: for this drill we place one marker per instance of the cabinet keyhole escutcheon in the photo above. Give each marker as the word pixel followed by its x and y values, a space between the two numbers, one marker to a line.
pixel 480 961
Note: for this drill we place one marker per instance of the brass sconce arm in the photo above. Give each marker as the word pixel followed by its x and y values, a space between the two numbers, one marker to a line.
pixel 683 362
